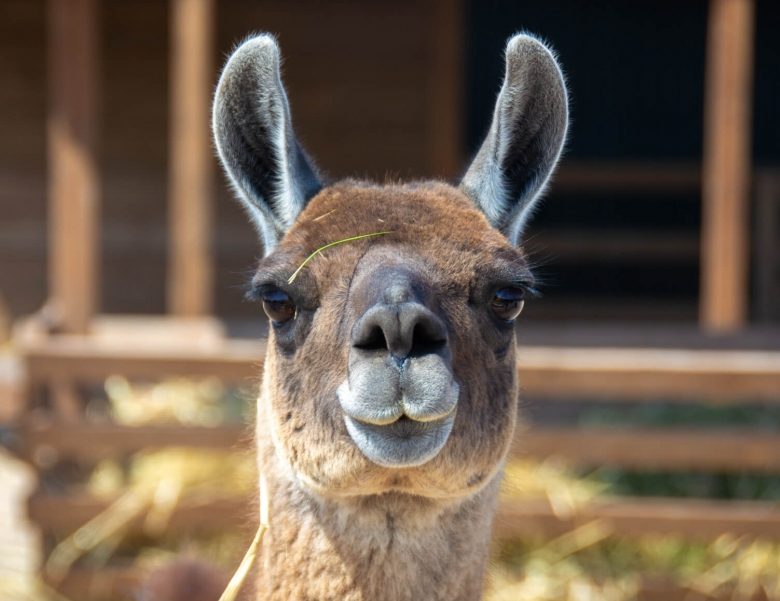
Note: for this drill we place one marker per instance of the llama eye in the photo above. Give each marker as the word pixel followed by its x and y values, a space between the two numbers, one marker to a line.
pixel 508 302
pixel 278 305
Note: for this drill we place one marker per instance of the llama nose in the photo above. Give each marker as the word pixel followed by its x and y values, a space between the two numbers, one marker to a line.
pixel 402 326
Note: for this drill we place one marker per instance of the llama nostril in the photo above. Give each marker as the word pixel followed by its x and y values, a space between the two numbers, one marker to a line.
pixel 408 329
pixel 427 338
pixel 373 340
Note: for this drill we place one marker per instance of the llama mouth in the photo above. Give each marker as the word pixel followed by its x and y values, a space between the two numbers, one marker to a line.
pixel 403 443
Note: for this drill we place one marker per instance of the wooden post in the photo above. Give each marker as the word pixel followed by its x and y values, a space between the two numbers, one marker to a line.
pixel 191 158
pixel 726 170
pixel 73 186
pixel 445 92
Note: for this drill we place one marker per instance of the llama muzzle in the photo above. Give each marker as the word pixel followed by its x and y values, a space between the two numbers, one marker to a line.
pixel 400 395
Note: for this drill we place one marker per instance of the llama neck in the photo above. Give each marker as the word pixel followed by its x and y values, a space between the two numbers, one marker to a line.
pixel 390 547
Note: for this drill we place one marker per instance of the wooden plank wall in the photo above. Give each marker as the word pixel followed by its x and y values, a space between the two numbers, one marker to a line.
pixel 364 113
pixel 383 112
pixel 22 153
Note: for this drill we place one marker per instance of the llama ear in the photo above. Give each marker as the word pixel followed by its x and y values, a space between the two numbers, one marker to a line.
pixel 512 167
pixel 253 133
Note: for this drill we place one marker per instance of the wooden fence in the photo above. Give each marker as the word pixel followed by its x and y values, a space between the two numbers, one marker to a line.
pixel 616 375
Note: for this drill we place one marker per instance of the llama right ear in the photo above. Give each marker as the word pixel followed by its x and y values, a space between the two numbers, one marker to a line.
pixel 253 133
pixel 525 138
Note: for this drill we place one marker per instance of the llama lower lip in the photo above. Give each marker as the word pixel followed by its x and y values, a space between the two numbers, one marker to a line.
pixel 404 443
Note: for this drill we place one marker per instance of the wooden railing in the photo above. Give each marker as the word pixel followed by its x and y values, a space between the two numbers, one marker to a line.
pixel 57 365
pixel 547 374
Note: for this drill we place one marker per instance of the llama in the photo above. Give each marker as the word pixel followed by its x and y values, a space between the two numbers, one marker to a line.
pixel 389 395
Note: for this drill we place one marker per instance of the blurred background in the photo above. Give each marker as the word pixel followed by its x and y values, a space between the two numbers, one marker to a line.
pixel 650 365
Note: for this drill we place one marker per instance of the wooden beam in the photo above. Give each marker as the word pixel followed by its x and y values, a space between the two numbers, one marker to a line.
pixel 445 89
pixel 726 169
pixel 629 246
pixel 666 449
pixel 613 374
pixel 594 309
pixel 628 177
pixel 637 374
pixel 191 158
pixel 64 513
pixel 703 519
pixel 516 518
pixel 90 442
pixel 73 187
pixel 83 360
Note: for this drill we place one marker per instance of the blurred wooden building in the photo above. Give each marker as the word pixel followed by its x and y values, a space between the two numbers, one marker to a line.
pixel 665 209
pixel 669 179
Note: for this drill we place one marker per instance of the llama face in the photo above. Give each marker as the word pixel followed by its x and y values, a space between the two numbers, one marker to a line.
pixel 390 365
pixel 394 370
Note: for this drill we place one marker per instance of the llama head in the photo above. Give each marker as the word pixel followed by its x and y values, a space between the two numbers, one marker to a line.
pixel 390 363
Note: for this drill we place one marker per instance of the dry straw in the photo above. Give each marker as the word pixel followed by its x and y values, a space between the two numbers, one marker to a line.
pixel 330 245
pixel 250 557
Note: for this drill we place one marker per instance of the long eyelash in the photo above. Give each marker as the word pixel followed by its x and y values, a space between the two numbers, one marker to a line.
pixel 246 284
pixel 253 293
pixel 536 262
pixel 533 292
pixel 528 281
pixel 255 289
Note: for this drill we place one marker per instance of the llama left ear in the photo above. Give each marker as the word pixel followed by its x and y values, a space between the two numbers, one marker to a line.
pixel 269 170
pixel 525 139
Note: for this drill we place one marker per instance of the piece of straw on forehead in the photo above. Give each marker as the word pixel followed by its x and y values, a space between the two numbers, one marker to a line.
pixel 329 245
